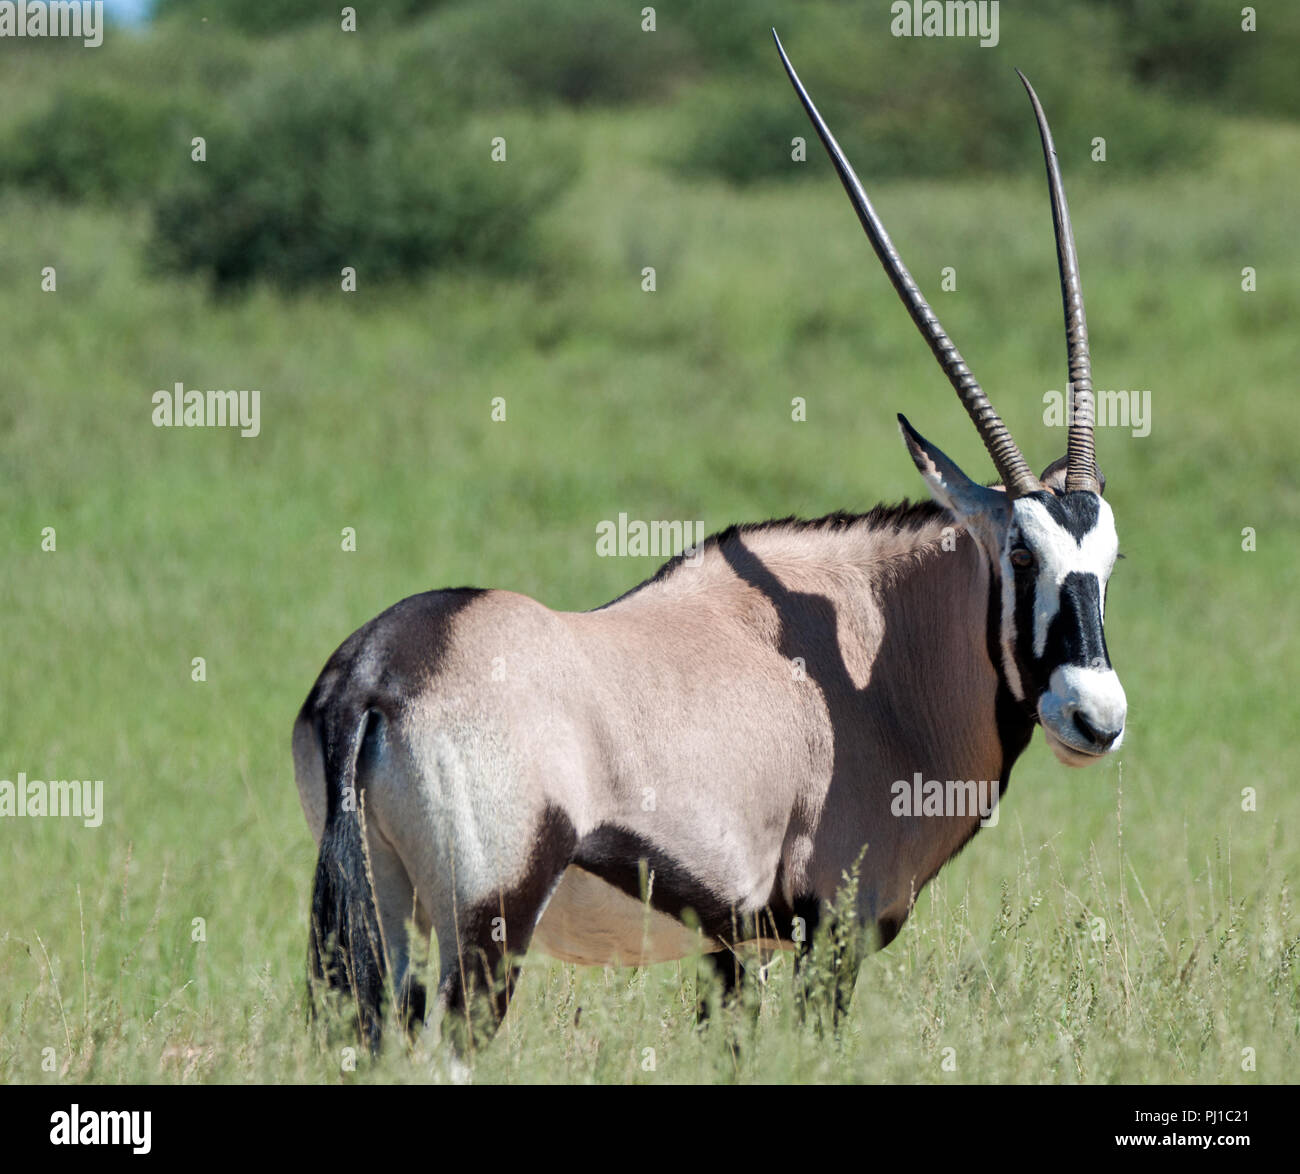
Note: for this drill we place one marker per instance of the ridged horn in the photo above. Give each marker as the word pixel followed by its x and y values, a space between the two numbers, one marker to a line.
pixel 1081 459
pixel 1014 470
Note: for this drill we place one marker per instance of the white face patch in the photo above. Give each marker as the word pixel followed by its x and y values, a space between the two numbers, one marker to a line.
pixel 1095 693
pixel 1059 554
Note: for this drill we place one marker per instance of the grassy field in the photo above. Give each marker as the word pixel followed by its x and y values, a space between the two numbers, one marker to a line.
pixel 1128 923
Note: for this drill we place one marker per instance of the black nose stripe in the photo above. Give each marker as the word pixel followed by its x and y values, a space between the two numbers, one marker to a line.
pixel 1075 635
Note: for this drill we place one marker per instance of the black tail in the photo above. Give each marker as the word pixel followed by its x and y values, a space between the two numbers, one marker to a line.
pixel 346 951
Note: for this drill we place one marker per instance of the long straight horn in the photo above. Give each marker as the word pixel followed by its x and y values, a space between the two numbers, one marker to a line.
pixel 1011 464
pixel 1081 462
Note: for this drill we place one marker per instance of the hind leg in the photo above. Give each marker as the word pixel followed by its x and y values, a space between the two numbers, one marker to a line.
pixel 481 959
pixel 395 902
pixel 395 899
pixel 484 850
pixel 484 926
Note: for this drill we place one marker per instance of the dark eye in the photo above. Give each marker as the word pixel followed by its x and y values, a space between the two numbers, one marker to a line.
pixel 1022 557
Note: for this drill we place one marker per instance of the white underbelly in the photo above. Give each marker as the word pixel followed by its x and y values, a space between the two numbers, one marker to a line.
pixel 590 922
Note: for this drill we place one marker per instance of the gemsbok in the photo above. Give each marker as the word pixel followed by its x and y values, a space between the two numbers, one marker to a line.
pixel 697 765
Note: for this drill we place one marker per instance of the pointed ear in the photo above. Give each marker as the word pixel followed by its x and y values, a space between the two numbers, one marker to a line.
pixel 1053 477
pixel 985 511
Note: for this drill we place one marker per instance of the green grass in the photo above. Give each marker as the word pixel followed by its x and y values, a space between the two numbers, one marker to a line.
pixel 180 543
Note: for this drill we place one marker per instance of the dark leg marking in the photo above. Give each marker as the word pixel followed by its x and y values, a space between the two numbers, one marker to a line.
pixel 887 930
pixel 726 965
pixel 412 1004
pixel 626 860
pixel 827 987
pixel 492 935
pixel 622 858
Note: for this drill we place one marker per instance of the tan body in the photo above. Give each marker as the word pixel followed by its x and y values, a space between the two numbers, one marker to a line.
pixel 746 716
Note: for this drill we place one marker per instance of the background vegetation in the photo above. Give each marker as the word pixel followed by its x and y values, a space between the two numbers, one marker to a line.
pixel 523 280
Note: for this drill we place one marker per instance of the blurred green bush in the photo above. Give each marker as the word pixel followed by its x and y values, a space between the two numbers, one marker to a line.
pixel 575 52
pixel 379 159
pixel 89 144
pixel 265 17
pixel 922 107
pixel 739 133
pixel 330 167
pixel 1199 48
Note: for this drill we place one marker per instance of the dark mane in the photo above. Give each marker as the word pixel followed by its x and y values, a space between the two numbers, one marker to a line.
pixel 905 515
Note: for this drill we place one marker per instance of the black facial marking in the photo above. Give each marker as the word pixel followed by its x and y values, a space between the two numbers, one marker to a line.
pixel 1075 635
pixel 1076 513
pixel 1015 718
pixel 1033 673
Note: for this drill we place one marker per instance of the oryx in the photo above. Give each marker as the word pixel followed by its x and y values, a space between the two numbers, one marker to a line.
pixel 724 739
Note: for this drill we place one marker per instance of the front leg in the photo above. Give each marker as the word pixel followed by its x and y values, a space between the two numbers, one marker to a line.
pixel 826 968
pixel 730 972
